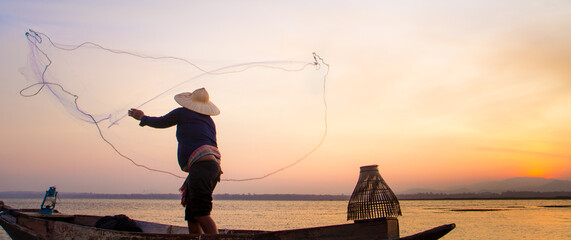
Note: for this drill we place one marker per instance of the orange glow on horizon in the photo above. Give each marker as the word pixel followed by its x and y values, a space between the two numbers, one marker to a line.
pixel 537 172
pixel 537 168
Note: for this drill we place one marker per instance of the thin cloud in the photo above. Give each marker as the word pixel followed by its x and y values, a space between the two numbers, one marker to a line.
pixel 543 154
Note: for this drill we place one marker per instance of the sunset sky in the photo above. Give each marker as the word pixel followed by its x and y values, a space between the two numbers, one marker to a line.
pixel 437 93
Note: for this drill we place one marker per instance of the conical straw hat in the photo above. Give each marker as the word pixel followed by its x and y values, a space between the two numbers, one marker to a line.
pixel 197 101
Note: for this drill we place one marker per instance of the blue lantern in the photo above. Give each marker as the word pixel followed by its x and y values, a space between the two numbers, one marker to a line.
pixel 49 202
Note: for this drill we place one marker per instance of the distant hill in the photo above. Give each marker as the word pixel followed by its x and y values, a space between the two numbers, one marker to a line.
pixel 557 185
pixel 519 184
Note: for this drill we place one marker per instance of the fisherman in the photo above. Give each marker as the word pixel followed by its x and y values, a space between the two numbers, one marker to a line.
pixel 198 154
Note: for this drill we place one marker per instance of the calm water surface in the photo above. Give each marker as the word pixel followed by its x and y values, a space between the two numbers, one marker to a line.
pixel 474 219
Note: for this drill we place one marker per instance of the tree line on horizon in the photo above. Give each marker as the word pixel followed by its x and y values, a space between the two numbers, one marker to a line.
pixel 486 195
pixel 302 197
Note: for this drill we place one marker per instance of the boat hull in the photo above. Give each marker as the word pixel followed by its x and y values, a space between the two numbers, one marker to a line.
pixel 30 224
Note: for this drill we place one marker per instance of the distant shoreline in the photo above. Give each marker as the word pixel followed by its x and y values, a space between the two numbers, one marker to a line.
pixel 510 195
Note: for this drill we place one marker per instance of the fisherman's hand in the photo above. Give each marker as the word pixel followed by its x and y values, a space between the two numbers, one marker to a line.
pixel 136 113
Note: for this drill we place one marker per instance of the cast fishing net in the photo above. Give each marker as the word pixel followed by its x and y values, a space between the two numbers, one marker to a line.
pixel 271 101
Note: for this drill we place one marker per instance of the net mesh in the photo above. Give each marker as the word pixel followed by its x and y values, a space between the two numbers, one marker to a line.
pixel 274 100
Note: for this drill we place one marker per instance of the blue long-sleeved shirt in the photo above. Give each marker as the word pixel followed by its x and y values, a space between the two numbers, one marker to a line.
pixel 193 130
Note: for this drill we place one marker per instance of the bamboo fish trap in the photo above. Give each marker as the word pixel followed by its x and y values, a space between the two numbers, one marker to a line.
pixel 372 197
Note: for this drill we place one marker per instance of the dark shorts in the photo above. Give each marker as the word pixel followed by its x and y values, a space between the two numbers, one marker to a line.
pixel 203 177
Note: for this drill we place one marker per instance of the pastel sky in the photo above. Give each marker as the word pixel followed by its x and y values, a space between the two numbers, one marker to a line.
pixel 437 93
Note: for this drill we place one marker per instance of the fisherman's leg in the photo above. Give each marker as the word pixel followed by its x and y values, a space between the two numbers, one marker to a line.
pixel 207 224
pixel 204 177
pixel 194 228
pixel 193 225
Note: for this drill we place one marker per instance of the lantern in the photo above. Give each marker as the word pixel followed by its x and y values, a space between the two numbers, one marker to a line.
pixel 49 202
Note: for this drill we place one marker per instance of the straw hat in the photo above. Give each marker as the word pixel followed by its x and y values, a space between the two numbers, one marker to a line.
pixel 197 101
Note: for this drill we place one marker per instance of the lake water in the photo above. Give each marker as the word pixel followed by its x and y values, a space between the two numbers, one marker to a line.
pixel 474 219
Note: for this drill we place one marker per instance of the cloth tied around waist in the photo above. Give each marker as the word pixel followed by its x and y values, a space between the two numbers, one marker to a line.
pixel 200 152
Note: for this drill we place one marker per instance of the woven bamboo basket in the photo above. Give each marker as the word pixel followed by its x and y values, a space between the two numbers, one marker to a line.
pixel 372 197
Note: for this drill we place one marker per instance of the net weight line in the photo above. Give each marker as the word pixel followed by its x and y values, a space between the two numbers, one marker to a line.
pixel 35 38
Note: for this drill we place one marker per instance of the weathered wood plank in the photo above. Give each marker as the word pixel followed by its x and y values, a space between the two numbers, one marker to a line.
pixel 9 223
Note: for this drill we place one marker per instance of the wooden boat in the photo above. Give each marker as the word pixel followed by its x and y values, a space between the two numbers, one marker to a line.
pixel 30 224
